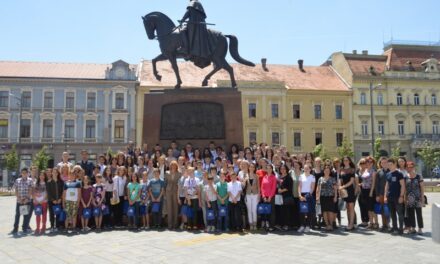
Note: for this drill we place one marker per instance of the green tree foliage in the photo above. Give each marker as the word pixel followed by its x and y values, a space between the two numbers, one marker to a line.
pixel 346 149
pixel 320 151
pixel 12 160
pixel 429 155
pixel 377 146
pixel 41 159
pixel 395 152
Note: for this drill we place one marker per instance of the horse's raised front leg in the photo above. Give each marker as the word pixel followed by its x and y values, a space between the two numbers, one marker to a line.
pixel 205 81
pixel 173 62
pixel 160 57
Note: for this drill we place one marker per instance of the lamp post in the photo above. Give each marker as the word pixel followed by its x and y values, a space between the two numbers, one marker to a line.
pixel 372 115
pixel 20 104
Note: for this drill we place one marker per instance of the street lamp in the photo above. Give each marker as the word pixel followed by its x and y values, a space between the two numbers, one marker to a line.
pixel 20 104
pixel 372 114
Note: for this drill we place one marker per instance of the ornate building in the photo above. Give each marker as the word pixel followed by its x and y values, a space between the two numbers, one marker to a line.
pixel 66 106
pixel 405 82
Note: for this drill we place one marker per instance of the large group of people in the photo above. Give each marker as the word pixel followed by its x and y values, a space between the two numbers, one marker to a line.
pixel 216 190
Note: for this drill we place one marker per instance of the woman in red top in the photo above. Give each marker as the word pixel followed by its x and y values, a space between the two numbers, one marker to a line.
pixel 268 189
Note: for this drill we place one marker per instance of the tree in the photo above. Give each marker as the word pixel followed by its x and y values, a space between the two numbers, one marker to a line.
pixel 320 151
pixel 429 156
pixel 12 160
pixel 41 159
pixel 377 146
pixel 346 149
pixel 395 152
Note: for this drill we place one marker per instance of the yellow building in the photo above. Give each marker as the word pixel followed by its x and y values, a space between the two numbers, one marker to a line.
pixel 406 86
pixel 281 105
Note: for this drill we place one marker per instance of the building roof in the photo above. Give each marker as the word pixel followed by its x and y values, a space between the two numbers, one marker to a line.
pixel 360 64
pixel 314 78
pixel 399 56
pixel 55 70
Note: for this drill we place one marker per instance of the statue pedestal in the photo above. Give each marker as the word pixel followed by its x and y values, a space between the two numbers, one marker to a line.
pixel 196 115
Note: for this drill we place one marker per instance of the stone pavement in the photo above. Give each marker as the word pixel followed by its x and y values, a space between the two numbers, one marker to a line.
pixel 123 246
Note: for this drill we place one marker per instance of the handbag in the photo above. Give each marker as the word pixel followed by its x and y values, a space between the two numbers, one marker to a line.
pixel 377 208
pixel 303 207
pixel 318 209
pixel 278 199
pixel 267 208
pixel 56 209
pixel 222 210
pixel 260 209
pixel 155 208
pixel 62 216
pixel 183 209
pixel 87 213
pixel 105 210
pixel 342 205
pixel 125 207
pixel 143 210
pixel 38 209
pixel 343 193
pixel 189 212
pixel 114 200
pixel 24 209
pixel 96 211
pixel 386 210
pixel 210 215
pixel 130 211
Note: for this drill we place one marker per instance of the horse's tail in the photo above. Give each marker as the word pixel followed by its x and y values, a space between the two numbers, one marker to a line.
pixel 233 49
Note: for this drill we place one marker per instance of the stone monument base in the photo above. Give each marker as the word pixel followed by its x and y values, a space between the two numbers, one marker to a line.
pixel 196 115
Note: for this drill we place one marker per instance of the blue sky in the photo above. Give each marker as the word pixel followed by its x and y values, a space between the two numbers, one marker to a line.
pixel 283 31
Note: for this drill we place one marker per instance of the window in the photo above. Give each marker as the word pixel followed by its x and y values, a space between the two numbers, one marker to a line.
pixel 48 100
pixel 70 100
pixel 69 129
pixel 363 98
pixel 297 139
pixel 418 128
pixel 90 129
pixel 91 101
pixel 433 99
pixel 25 130
pixel 416 99
pixel 296 112
pixel 379 99
pixel 252 137
pixel 4 98
pixel 338 111
pixel 275 138
pixel 4 128
pixel 365 154
pixel 318 138
pixel 399 99
pixel 381 127
pixel 317 111
pixel 339 139
pixel 274 110
pixel 252 110
pixel 401 128
pixel 435 127
pixel 119 129
pixel 119 102
pixel 47 128
pixel 26 98
pixel 364 128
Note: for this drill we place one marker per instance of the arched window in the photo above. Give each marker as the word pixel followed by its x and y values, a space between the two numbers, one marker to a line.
pixel 399 99
pixel 379 99
pixel 416 99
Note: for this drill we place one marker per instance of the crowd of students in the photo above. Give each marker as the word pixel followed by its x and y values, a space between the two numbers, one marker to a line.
pixel 252 188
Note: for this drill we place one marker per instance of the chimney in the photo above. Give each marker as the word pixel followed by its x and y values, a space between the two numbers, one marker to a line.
pixel 355 52
pixel 365 52
pixel 300 65
pixel 263 64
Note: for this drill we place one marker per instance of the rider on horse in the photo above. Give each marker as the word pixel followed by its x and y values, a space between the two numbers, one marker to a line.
pixel 197 42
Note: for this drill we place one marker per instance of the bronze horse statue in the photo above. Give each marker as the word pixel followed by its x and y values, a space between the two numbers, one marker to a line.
pixel 170 42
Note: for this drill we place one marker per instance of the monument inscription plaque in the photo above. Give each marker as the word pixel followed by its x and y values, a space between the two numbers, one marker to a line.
pixel 192 120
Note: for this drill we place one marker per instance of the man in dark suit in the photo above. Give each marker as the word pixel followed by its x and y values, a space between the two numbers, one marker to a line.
pixel 87 165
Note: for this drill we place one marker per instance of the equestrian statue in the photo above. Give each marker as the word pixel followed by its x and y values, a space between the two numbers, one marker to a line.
pixel 193 41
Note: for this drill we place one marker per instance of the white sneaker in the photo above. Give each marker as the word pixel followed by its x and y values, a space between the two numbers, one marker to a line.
pixel 307 229
pixel 301 229
pixel 263 224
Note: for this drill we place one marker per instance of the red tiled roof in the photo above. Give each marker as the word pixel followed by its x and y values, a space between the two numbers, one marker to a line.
pixel 398 57
pixel 53 70
pixel 360 65
pixel 314 78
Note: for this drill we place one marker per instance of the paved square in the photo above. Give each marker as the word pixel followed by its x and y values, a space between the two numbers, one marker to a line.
pixel 183 247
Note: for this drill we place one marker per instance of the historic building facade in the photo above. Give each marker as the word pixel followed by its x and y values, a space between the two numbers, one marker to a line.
pixel 66 106
pixel 281 105
pixel 405 82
